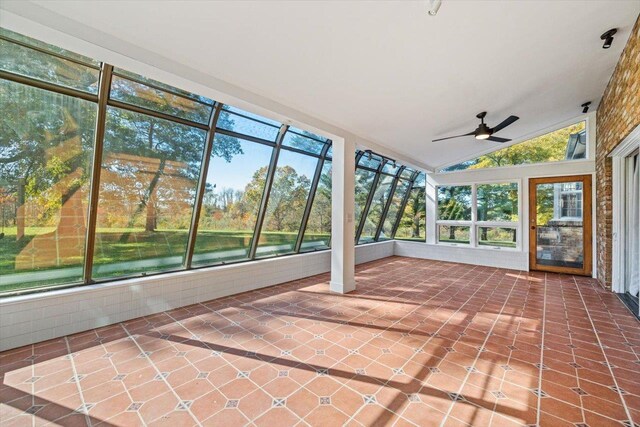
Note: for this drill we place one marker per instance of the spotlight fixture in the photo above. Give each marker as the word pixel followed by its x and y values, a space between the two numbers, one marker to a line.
pixel 434 6
pixel 608 38
pixel 585 107
pixel 369 153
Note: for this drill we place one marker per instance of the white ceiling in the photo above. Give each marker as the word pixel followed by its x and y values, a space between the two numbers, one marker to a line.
pixel 387 71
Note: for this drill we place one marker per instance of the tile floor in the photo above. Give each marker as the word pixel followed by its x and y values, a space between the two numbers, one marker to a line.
pixel 419 343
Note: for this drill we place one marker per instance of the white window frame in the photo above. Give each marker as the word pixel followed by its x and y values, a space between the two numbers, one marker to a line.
pixel 474 223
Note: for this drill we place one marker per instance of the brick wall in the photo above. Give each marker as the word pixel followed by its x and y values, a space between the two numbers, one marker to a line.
pixel 618 114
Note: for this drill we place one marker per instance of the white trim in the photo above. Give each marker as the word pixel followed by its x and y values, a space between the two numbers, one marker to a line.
pixel 618 159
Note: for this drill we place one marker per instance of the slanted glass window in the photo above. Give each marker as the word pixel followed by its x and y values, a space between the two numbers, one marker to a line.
pixel 245 123
pixel 318 232
pixel 378 202
pixel 364 182
pixel 392 214
pixel 150 169
pixel 235 184
pixel 46 146
pixel 287 201
pixel 303 140
pixel 371 162
pixel 412 225
pixel 28 57
pixel 152 95
pixel 454 203
pixel 497 202
pixel 568 143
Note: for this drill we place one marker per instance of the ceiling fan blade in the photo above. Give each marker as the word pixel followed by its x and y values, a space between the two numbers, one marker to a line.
pixel 498 139
pixel 457 136
pixel 506 122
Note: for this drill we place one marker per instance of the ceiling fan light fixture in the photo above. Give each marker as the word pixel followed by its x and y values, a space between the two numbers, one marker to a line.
pixel 608 38
pixel 483 132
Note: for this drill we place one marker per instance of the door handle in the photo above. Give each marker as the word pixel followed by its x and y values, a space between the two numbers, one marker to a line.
pixel 533 227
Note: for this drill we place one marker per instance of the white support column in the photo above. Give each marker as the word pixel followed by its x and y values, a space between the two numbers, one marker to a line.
pixel 342 213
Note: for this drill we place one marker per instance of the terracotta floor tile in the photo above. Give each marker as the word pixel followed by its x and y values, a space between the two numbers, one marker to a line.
pixel 394 352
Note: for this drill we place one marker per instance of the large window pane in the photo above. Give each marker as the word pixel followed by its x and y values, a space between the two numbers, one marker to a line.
pixel 412 224
pixel 318 232
pixel 149 176
pixel 454 234
pixel 235 184
pixel 497 202
pixel 46 145
pixel 497 236
pixel 149 96
pixel 33 63
pixel 364 181
pixel 394 207
pixel 454 203
pixel 245 123
pixel 303 140
pixel 380 197
pixel 287 201
pixel 569 143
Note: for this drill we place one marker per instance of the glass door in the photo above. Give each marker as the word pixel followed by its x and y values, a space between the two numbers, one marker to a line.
pixel 560 224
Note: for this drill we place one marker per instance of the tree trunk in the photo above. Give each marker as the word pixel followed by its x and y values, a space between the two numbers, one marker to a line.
pixel 483 233
pixel 452 232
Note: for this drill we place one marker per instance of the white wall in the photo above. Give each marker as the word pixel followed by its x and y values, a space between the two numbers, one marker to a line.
pixel 36 317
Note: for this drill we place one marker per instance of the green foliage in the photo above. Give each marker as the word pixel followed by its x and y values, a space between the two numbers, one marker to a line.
pixel 550 147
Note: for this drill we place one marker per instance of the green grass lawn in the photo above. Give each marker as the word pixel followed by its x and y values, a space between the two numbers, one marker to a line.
pixel 120 245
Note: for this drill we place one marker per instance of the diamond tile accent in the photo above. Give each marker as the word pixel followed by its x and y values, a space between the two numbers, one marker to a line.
pixel 325 400
pixel 202 375
pixel 135 406
pixel 119 377
pixel 499 395
pixel 455 397
pixel 280 402
pixel 369 399
pixel 161 376
pixel 413 397
pixel 538 392
pixel 283 374
pixel 84 409
pixel 34 409
pixel 32 380
pixel 243 374
pixel 579 391
pixel 434 370
pixel 322 372
pixel 232 404
pixel 183 405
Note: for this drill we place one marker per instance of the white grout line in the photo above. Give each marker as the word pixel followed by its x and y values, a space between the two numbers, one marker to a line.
pixel 544 321
pixel 188 410
pixel 595 331
pixel 484 343
pixel 77 381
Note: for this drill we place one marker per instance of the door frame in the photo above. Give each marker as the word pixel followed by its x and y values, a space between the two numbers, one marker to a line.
pixel 618 235
pixel 587 211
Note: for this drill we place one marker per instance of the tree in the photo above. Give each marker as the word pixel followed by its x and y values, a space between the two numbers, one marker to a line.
pixel 288 196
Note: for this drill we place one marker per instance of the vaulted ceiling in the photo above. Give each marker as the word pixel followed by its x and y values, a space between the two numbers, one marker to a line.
pixel 386 70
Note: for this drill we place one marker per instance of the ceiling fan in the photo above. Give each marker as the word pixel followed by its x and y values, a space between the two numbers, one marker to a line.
pixel 485 132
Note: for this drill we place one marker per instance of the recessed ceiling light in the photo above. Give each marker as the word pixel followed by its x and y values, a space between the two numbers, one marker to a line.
pixel 608 38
